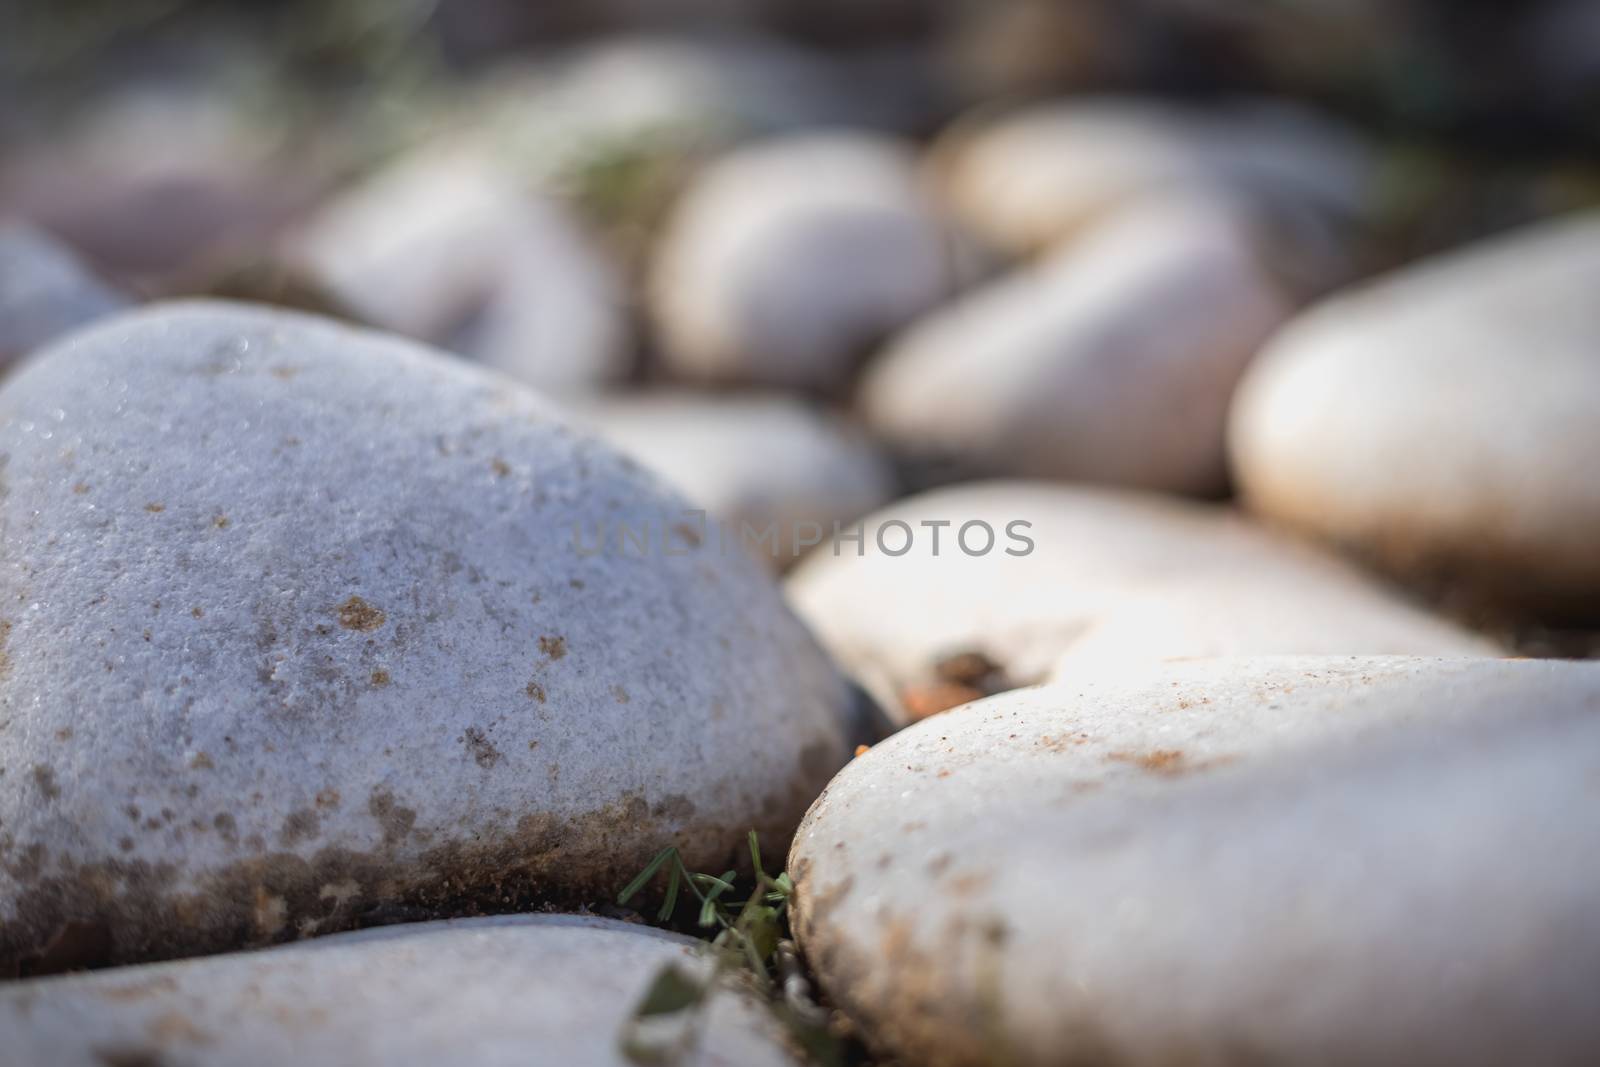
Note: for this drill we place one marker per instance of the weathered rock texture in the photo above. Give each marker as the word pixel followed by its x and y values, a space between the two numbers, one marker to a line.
pixel 296 633
pixel 1312 861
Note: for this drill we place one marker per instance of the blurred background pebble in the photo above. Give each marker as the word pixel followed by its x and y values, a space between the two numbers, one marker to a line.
pixel 804 256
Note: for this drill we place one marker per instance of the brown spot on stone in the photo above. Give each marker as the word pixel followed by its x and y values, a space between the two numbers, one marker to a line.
pixel 201 761
pixel 300 826
pixel 125 844
pixel 64 734
pixel 380 678
pixel 327 798
pixel 968 884
pixel 139 990
pixel 81 488
pixel 482 750
pixel 553 647
pixel 1163 761
pixel 226 826
pixel 500 466
pixel 172 1026
pixel 5 659
pixel 396 821
pixel 284 373
pixel 155 507
pixel 45 779
pixel 220 521
pixel 691 536
pixel 357 614
pixel 536 692
pixel 198 612
pixel 620 694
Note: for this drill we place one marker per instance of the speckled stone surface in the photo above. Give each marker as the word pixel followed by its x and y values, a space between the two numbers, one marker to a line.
pixel 297 630
pixel 1318 861
pixel 509 990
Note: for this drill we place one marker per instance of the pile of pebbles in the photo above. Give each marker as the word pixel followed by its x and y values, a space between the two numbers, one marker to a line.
pixel 1158 563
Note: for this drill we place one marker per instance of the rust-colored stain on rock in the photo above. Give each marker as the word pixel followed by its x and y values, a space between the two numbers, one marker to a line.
pixel 357 614
pixel 478 743
pixel 1159 761
pixel 45 779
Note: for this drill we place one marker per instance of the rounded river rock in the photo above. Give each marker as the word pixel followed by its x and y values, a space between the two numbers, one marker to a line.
pixel 297 632
pixel 508 990
pixel 1316 861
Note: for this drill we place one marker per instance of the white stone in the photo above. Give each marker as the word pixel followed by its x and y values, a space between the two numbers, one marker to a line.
pixel 444 247
pixel 1270 611
pixel 511 990
pixel 1140 577
pixel 1036 176
pixel 1113 361
pixel 165 179
pixel 297 630
pixel 785 260
pixel 753 461
pixel 1322 861
pixel 1443 419
pixel 44 291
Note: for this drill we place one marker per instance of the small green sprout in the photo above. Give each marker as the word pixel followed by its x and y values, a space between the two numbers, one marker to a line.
pixel 747 937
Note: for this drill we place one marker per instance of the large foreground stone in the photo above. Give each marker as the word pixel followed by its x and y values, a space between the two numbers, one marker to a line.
pixel 1442 420
pixel 1137 577
pixel 516 990
pixel 296 632
pixel 1308 861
